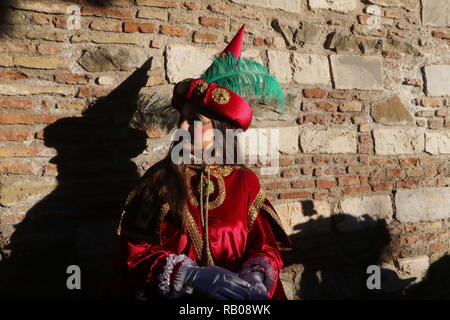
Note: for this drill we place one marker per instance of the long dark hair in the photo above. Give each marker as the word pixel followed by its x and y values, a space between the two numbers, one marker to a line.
pixel 167 179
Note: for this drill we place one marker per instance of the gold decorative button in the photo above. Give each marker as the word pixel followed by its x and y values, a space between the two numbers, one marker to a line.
pixel 221 96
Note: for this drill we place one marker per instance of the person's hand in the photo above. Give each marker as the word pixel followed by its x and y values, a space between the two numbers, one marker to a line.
pixel 258 290
pixel 217 282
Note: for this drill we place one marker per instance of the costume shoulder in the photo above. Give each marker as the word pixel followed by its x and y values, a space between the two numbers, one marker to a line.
pixel 260 204
pixel 144 208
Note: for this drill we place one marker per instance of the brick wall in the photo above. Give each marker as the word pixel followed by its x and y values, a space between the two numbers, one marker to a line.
pixel 365 139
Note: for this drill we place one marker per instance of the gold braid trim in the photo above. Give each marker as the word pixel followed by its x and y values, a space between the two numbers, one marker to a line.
pixel 272 213
pixel 194 233
pixel 254 208
pixel 131 195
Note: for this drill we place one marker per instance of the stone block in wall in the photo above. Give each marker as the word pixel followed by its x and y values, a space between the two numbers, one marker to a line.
pixel 437 80
pixel 311 69
pixel 427 204
pixel 24 90
pixel 187 61
pixel 337 5
pixel 355 72
pixel 391 112
pixel 330 140
pixel 397 141
pixel 364 211
pixel 288 143
pixel 304 217
pixel 413 267
pixel 286 5
pixel 113 59
pixel 280 65
pixel 437 142
pixel 436 12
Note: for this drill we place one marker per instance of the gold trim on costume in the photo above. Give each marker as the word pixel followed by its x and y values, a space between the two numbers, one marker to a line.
pixel 194 233
pixel 254 208
pixel 220 197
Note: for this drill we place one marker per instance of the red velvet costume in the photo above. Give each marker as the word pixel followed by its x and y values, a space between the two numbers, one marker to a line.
pixel 230 222
pixel 243 227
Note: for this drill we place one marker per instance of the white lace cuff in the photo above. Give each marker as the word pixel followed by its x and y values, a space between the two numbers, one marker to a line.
pixel 261 264
pixel 178 285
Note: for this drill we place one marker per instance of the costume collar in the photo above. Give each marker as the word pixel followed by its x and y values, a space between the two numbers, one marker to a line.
pixel 223 170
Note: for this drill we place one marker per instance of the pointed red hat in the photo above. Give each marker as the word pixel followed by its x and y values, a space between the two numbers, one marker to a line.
pixel 214 98
pixel 235 45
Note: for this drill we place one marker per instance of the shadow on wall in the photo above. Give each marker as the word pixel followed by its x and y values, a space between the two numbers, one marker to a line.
pixel 76 223
pixel 334 254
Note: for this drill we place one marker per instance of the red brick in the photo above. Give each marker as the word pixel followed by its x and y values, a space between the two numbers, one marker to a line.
pixel 317 172
pixel 365 138
pixel 294 195
pixel 396 173
pixel 285 162
pixel 387 185
pixel 365 148
pixel 320 160
pixel 405 183
pixel 314 93
pixel 71 78
pixel 409 162
pixel 436 123
pixel 15 135
pixel 431 102
pixel 303 160
pixel 314 118
pixel 441 35
pixel 442 112
pixel 109 13
pixel 289 173
pixel 17 104
pixel 307 170
pixel 363 179
pixel 50 170
pixel 326 184
pixel 391 54
pixel 337 94
pixel 12 75
pixel 338 118
pixel 203 37
pixel 28 118
pixel 130 27
pixel 302 184
pixel 92 92
pixel 357 190
pixel 348 180
pixel 212 22
pixel 259 42
pixel 174 30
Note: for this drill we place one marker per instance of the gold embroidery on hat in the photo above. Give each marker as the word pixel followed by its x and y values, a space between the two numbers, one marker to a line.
pixel 200 87
pixel 221 96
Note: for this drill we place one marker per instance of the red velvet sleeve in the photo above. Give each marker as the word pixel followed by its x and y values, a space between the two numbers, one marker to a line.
pixel 262 252
pixel 142 269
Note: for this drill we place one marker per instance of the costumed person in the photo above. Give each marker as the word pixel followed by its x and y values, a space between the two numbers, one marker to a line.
pixel 200 230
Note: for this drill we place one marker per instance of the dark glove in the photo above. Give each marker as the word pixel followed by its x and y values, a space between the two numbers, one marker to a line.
pixel 217 282
pixel 258 290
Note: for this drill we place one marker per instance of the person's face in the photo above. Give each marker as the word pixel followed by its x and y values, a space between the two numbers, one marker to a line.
pixel 201 129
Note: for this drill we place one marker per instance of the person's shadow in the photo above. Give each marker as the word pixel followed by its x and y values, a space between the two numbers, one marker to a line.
pixel 75 224
pixel 332 256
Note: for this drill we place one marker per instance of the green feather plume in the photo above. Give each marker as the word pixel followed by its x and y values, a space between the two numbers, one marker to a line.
pixel 245 77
